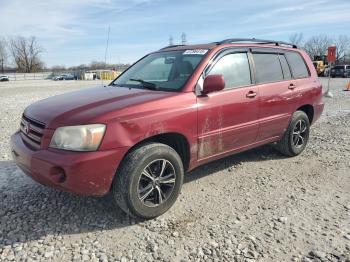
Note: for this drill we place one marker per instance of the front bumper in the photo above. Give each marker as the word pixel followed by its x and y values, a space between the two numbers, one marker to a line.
pixel 86 173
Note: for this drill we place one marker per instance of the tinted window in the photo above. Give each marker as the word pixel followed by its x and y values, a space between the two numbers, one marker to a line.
pixel 285 68
pixel 235 69
pixel 267 67
pixel 297 65
pixel 339 67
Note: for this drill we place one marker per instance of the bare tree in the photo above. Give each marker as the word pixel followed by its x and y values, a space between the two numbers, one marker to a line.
pixel 26 54
pixel 58 68
pixel 317 45
pixel 3 54
pixel 343 45
pixel 94 65
pixel 296 39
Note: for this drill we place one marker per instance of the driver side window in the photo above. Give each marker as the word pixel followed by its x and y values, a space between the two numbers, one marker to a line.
pixel 235 69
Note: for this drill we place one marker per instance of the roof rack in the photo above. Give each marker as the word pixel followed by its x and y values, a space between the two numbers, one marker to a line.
pixel 254 40
pixel 170 46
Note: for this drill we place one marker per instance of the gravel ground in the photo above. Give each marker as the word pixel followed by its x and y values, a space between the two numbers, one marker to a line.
pixel 254 206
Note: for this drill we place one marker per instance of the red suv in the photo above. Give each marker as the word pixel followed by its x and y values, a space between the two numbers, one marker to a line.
pixel 171 111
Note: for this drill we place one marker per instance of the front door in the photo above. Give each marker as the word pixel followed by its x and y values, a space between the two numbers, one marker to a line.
pixel 228 119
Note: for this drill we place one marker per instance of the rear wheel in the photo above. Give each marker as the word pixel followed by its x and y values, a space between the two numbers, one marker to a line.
pixel 296 136
pixel 148 181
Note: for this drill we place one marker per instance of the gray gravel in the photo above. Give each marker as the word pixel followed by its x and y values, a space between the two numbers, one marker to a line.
pixel 254 206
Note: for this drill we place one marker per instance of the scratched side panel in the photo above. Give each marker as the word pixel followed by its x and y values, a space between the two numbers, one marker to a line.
pixel 226 120
pixel 276 103
pixel 174 114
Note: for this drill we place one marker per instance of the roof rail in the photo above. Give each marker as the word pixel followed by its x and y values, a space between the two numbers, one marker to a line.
pixel 254 40
pixel 170 46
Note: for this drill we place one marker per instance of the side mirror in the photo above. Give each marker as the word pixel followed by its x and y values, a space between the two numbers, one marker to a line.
pixel 213 83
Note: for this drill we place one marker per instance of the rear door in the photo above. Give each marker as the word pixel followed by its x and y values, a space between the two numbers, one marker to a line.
pixel 276 90
pixel 228 119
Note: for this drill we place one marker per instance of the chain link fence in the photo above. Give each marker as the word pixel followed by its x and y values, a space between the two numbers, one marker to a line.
pixel 29 76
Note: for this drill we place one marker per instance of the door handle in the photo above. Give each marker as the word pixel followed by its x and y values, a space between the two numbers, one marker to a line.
pixel 251 94
pixel 292 86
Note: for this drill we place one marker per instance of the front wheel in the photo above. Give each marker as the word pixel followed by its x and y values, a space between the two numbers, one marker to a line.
pixel 296 136
pixel 148 181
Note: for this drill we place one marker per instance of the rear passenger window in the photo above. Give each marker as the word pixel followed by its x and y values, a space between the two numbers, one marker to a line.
pixel 285 68
pixel 235 69
pixel 297 65
pixel 267 67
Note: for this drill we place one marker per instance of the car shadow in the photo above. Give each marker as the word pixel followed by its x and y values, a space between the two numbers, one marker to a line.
pixel 263 153
pixel 30 211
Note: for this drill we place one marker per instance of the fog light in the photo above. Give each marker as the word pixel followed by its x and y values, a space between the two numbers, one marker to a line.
pixel 58 175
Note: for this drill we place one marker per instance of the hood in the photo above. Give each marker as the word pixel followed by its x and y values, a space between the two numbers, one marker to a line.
pixel 88 105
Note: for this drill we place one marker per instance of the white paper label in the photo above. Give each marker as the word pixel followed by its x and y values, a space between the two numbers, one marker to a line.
pixel 196 52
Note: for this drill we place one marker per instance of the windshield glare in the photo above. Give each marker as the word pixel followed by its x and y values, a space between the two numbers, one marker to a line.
pixel 167 71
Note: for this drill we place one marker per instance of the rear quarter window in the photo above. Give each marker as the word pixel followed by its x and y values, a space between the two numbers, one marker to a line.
pixel 297 64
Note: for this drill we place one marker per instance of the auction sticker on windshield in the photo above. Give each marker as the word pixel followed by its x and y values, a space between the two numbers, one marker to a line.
pixel 196 52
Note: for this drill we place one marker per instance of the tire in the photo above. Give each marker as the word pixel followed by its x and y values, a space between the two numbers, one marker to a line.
pixel 133 181
pixel 295 139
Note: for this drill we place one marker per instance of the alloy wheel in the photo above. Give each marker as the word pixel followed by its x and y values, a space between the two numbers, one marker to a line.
pixel 299 133
pixel 156 182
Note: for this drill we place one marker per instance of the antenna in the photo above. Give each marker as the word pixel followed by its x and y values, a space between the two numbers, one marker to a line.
pixel 109 29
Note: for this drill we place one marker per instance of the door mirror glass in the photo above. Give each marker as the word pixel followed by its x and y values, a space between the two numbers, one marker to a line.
pixel 213 83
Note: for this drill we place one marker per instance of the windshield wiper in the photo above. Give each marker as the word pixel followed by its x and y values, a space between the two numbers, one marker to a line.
pixel 145 84
pixel 115 84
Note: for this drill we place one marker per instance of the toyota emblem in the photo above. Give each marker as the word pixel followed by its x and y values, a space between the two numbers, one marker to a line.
pixel 26 128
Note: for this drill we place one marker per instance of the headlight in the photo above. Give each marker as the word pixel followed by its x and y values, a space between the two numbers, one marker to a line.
pixel 78 138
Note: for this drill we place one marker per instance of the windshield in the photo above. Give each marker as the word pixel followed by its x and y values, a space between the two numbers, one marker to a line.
pixel 168 71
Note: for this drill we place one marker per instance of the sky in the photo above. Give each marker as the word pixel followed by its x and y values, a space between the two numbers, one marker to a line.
pixel 74 32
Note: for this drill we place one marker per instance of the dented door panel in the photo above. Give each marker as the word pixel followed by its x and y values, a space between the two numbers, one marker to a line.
pixel 227 120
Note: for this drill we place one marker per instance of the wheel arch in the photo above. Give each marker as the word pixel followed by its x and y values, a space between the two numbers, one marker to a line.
pixel 308 110
pixel 175 140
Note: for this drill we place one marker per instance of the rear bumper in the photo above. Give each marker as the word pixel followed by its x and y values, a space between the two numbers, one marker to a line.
pixel 318 109
pixel 86 173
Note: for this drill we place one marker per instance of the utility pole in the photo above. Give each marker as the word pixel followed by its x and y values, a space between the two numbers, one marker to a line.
pixel 2 65
pixel 183 39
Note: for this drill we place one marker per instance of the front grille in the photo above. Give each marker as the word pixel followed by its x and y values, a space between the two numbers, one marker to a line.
pixel 32 132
